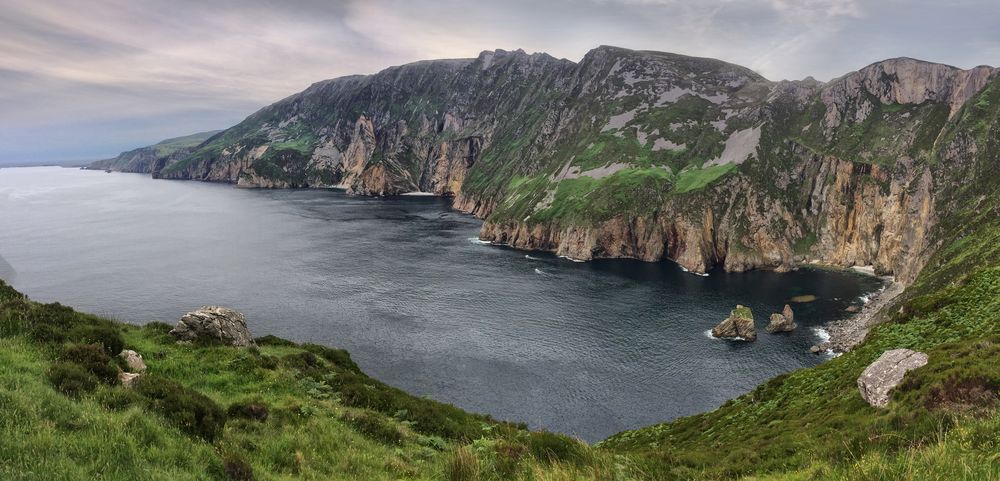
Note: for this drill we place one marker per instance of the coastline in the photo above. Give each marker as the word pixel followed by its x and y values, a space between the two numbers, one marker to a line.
pixel 850 331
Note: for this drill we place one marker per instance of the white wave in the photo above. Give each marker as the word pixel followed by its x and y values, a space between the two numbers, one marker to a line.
pixel 532 258
pixel 821 334
pixel 420 194
pixel 572 259
pixel 708 334
pixel 539 271
pixel 476 240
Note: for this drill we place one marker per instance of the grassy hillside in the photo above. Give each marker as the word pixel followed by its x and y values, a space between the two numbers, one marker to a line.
pixel 280 411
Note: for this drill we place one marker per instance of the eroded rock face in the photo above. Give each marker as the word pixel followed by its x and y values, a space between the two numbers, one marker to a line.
pixel 128 379
pixel 739 325
pixel 780 323
pixel 214 322
pixel 133 360
pixel 881 376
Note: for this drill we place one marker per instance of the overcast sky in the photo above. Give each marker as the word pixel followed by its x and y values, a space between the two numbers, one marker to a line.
pixel 87 79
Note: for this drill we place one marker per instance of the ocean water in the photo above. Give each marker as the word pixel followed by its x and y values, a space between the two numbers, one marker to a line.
pixel 588 349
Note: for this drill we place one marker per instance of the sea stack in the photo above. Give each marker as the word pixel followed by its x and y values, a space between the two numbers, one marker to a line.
pixel 739 325
pixel 783 321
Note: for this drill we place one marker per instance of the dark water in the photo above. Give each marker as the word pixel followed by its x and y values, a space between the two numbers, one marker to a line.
pixel 583 348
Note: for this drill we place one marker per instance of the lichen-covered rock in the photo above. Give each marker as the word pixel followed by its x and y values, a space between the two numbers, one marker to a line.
pixel 213 322
pixel 128 379
pixel 739 325
pixel 133 360
pixel 780 323
pixel 881 376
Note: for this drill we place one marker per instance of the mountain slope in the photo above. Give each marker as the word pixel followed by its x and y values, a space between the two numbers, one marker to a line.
pixel 152 158
pixel 636 154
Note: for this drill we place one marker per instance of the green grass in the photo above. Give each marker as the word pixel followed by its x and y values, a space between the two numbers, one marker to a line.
pixel 325 419
pixel 698 178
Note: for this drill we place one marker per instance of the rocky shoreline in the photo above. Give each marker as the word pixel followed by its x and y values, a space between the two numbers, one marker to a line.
pixel 850 331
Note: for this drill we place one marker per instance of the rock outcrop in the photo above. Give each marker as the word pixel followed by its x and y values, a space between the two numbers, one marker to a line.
pixel 214 323
pixel 739 325
pixel 782 321
pixel 128 379
pixel 133 361
pixel 881 376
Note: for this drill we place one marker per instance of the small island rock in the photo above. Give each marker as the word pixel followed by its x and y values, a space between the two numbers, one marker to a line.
pixel 739 325
pixel 783 321
pixel 221 323
pixel 887 372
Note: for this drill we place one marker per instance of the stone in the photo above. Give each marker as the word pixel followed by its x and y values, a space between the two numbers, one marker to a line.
pixel 780 323
pixel 853 309
pixel 128 379
pixel 133 360
pixel 214 322
pixel 787 312
pixel 881 376
pixel 739 325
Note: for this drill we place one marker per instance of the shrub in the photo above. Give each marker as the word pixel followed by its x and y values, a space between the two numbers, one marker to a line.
pixel 429 417
pixel 276 341
pixel 507 458
pixel 338 357
pixel 106 335
pixel 302 361
pixel 189 410
pixel 256 411
pixel 93 358
pixel 49 322
pixel 549 446
pixel 236 468
pixel 463 465
pixel 72 379
pixel 374 426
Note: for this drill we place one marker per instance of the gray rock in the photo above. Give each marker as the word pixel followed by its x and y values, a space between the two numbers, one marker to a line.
pixel 887 372
pixel 226 325
pixel 133 360
pixel 128 379
pixel 739 325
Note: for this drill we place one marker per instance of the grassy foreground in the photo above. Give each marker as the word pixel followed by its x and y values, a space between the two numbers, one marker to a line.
pixel 280 411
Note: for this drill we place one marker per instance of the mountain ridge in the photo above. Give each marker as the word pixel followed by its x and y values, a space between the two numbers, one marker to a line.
pixel 626 154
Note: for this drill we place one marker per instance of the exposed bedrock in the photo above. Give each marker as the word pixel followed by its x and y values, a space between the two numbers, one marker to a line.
pixel 840 212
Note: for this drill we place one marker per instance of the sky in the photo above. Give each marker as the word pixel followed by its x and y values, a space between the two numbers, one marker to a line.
pixel 86 80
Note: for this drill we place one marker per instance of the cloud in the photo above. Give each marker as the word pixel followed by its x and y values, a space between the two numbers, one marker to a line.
pixel 92 80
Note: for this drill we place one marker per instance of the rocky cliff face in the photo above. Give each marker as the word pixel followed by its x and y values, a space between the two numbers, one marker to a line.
pixel 636 154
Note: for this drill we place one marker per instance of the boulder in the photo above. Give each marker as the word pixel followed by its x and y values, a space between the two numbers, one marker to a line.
pixel 128 379
pixel 739 325
pixel 213 322
pixel 787 312
pixel 887 372
pixel 781 322
pixel 133 360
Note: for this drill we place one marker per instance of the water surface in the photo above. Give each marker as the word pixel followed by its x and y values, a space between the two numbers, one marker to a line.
pixel 588 349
